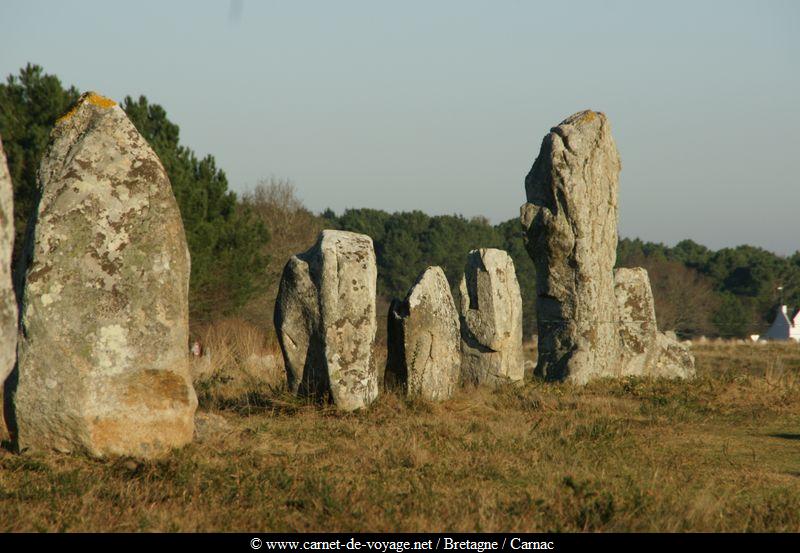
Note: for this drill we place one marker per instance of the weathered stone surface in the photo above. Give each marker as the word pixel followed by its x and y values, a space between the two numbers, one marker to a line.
pixel 571 219
pixel 8 302
pixel 490 308
pixel 424 340
pixel 571 233
pixel 103 361
pixel 646 351
pixel 325 318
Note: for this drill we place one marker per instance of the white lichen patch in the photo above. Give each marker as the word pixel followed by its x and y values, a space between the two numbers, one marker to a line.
pixel 161 263
pixel 111 349
pixel 52 295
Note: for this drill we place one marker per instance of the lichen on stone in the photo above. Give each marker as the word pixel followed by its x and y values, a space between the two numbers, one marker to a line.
pixel 105 295
pixel 326 325
pixel 90 98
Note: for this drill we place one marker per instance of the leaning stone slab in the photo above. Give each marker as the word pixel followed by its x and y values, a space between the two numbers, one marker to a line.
pixel 646 351
pixel 491 319
pixel 424 356
pixel 571 234
pixel 325 318
pixel 8 302
pixel 103 361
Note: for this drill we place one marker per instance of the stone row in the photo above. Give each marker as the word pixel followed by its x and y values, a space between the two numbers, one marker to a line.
pixel 326 323
pixel 95 358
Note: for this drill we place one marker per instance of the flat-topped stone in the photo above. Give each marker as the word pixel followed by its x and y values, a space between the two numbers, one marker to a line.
pixel 490 307
pixel 325 319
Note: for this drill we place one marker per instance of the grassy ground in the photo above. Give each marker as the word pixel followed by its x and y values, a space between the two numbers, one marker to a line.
pixel 719 453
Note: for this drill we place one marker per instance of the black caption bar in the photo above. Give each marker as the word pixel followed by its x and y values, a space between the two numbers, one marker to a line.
pixel 403 543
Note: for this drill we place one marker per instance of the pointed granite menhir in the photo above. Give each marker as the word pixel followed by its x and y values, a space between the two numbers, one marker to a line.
pixel 103 361
pixel 325 319
pixel 571 233
pixel 424 357
pixel 490 307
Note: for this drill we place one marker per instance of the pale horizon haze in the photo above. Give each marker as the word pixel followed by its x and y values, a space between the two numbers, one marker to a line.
pixel 442 106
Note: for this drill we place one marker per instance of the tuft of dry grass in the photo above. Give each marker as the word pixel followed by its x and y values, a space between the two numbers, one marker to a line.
pixel 719 453
pixel 767 359
pixel 239 359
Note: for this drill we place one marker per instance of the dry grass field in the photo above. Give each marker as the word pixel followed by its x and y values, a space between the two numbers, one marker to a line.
pixel 720 453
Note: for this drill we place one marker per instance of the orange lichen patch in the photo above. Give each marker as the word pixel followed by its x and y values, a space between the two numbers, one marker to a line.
pixel 148 438
pixel 588 117
pixel 152 389
pixel 91 97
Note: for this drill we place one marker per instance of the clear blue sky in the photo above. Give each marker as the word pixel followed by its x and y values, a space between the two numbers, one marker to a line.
pixel 441 106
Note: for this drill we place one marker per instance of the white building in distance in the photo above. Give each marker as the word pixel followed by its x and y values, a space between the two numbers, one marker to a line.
pixel 783 328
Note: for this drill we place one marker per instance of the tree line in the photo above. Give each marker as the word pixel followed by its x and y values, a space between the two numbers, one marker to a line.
pixel 728 293
pixel 226 240
pixel 239 243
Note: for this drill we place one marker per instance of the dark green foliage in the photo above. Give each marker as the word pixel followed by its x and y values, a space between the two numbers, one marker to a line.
pixel 730 293
pixel 29 106
pixel 628 248
pixel 408 242
pixel 512 235
pixel 225 240
pixel 736 288
pixel 401 252
pixel 449 238
pixel 745 278
pixel 363 220
pixel 732 318
pixel 690 253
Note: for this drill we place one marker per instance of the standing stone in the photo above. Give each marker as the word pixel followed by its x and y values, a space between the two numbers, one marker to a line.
pixel 571 234
pixel 103 363
pixel 572 237
pixel 424 352
pixel 646 351
pixel 8 302
pixel 491 319
pixel 325 318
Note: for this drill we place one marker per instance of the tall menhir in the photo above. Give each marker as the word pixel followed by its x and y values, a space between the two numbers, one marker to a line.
pixel 103 361
pixel 592 320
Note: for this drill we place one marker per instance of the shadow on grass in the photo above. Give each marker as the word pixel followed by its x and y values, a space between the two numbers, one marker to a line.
pixel 251 403
pixel 785 436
